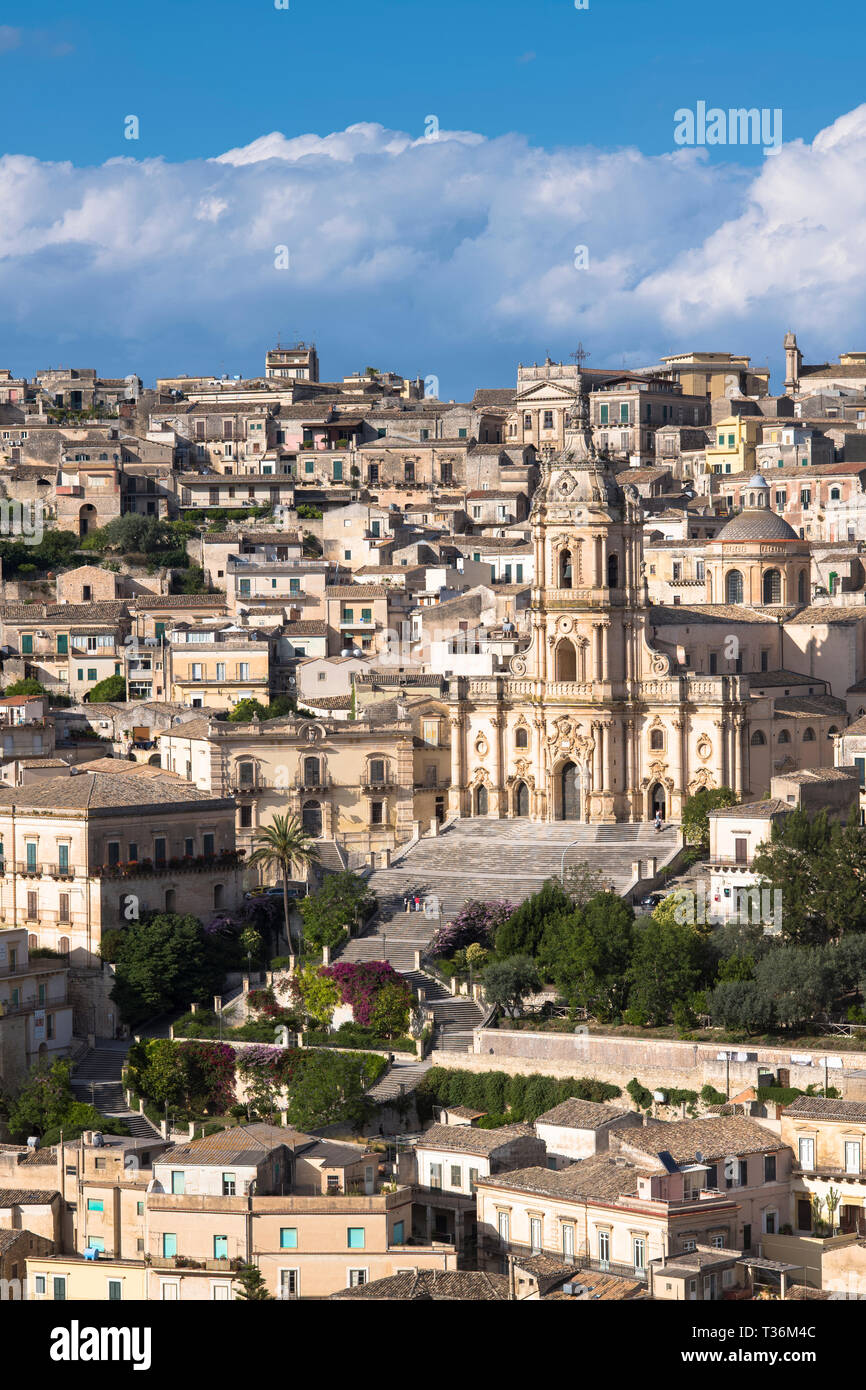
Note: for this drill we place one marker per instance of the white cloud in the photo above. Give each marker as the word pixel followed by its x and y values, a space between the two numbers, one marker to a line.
pixel 421 253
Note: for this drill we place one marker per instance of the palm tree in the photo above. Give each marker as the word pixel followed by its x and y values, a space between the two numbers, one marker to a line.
pixel 282 844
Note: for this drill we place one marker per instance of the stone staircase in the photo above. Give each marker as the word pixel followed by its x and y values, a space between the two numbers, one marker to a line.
pixel 97 1080
pixel 482 859
pixel 487 859
pixel 400 1081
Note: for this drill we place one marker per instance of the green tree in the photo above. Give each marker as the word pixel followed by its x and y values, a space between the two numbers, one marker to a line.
pixel 280 846
pixel 582 882
pixel 522 933
pixel 319 995
pixel 665 968
pixel 113 688
pixel 251 1286
pixel 390 1012
pixel 246 710
pixel 162 963
pixel 696 812
pixel 343 900
pixel 29 686
pixel 508 982
pixel 45 1103
pixel 587 955
pixel 815 876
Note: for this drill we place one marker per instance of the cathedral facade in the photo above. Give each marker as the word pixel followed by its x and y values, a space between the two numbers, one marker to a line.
pixel 600 718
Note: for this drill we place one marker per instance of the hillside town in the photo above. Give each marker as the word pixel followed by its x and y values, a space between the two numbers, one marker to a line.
pixel 432 834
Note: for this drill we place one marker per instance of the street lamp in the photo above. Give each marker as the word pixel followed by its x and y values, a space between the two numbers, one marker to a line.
pixel 569 846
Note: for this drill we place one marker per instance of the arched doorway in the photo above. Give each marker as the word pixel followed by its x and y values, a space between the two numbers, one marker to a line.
pixel 311 819
pixel 170 899
pixel 521 799
pixel 657 801
pixel 570 792
pixel 86 519
pixel 481 800
pixel 566 662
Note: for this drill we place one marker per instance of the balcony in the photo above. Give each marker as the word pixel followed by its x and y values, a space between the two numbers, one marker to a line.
pixel 321 783
pixel 378 788
pixel 27 870
pixel 189 863
pixel 62 871
pixel 32 1003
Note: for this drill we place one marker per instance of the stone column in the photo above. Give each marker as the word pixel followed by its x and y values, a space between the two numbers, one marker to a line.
pixel 496 723
pixel 455 794
pixel 539 727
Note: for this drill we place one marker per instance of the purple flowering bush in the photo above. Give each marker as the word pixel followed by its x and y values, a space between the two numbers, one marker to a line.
pixel 476 922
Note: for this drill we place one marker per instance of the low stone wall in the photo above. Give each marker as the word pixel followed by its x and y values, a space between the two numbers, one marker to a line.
pixel 656 1064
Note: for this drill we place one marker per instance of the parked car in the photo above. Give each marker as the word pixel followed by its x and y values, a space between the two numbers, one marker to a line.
pixel 650 901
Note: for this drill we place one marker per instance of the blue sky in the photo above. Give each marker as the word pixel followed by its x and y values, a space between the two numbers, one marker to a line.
pixel 146 255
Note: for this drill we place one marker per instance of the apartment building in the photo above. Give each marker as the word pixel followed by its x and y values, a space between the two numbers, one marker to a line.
pixel 828 1139
pixel 446 1165
pixel 217 664
pixel 68 647
pixel 659 1190
pixel 35 1010
pixel 88 851
pixel 579 1129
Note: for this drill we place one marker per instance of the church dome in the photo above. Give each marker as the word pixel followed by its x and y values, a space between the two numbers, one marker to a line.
pixel 757 525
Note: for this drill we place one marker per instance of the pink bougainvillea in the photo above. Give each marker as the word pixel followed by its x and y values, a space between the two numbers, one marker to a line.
pixel 360 982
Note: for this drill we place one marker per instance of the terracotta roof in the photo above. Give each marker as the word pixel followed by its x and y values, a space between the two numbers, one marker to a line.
pixel 24 1197
pixel 356 591
pixel 819 1108
pixel 145 601
pixel 601 1177
pixel 433 1285
pixel 751 810
pixel 87 792
pixel 713 1137
pixel 581 1114
pixel 466 1139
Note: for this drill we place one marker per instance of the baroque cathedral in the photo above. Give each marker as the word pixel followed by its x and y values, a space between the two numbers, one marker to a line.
pixel 603 717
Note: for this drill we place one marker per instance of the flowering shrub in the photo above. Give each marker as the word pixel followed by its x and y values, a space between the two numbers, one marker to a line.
pixel 476 922
pixel 360 984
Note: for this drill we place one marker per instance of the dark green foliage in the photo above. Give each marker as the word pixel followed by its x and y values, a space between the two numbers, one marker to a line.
pixel 55 551
pixel 642 1098
pixel 696 810
pixel 112 688
pixel 163 963
pixel 251 1286
pixel 342 899
pixel 522 933
pixel 45 1103
pixel 516 1098
pixel 587 952
pixel 508 982
pixel 665 968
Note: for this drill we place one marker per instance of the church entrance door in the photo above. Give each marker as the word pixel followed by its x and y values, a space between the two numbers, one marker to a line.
pixel 570 791
pixel 521 799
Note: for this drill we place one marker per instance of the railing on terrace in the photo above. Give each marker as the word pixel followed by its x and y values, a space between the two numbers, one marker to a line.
pixel 144 868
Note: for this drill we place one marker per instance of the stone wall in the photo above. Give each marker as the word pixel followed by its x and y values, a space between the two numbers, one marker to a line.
pixel 656 1063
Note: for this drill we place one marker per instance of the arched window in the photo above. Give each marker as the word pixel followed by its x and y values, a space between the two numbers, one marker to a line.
pixel 376 772
pixel 311 772
pixel 63 945
pixel 835 494
pixel 758 739
pixel 246 774
pixel 832 731
pixel 733 587
pixel 808 735
pixel 657 739
pixel 521 737
pixel 801 587
pixel 784 736
pixel 772 586
pixel 32 941
pixel 169 899
pixel 612 571
pixel 566 662
pixel 218 895
pixel 565 569
pixel 311 819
